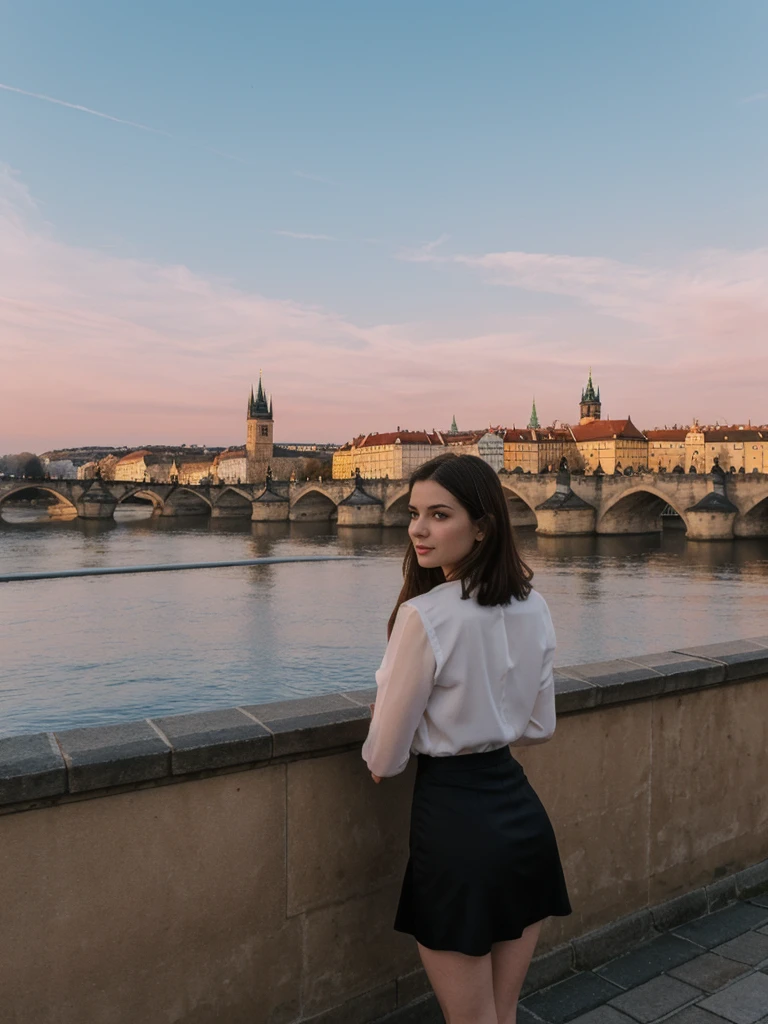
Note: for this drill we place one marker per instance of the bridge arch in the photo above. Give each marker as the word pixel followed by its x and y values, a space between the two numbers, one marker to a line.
pixel 521 512
pixel 313 505
pixel 63 506
pixel 187 502
pixel 146 494
pixel 753 520
pixel 396 509
pixel 233 502
pixel 637 510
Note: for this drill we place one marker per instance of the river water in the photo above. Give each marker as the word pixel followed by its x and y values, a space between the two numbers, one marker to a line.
pixel 104 649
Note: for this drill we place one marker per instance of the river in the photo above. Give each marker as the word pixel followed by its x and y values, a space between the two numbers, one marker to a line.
pixel 104 649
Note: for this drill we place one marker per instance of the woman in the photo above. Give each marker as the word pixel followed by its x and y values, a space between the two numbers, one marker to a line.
pixel 468 670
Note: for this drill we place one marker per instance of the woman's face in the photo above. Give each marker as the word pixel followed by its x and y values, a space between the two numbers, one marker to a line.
pixel 441 530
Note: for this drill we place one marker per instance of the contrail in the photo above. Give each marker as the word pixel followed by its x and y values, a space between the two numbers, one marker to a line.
pixel 85 110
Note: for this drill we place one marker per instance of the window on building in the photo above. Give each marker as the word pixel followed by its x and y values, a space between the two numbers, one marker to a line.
pixel 265 431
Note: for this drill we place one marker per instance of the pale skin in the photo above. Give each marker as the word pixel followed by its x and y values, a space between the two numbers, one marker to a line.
pixel 470 989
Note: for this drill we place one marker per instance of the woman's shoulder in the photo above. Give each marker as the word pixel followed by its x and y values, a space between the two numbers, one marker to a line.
pixel 443 595
pixel 447 597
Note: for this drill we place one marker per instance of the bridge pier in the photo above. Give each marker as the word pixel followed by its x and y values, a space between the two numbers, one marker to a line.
pixel 96 503
pixel 565 514
pixel 710 525
pixel 269 512
pixel 712 518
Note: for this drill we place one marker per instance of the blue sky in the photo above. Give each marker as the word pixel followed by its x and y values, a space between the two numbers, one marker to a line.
pixel 443 157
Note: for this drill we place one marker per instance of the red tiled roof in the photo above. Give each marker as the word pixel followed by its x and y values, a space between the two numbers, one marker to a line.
pixel 520 434
pixel 606 430
pixel 734 434
pixel 405 436
pixel 464 437
pixel 666 435
pixel 133 456
pixel 231 453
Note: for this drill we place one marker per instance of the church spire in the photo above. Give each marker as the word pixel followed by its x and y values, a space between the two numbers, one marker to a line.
pixel 454 429
pixel 259 407
pixel 534 424
pixel 591 407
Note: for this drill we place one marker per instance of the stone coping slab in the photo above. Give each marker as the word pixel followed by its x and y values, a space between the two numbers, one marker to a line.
pixel 46 766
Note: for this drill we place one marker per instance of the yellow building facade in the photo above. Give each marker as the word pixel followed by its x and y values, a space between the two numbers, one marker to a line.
pixel 666 449
pixel 533 450
pixel 738 448
pixel 611 445
pixel 395 455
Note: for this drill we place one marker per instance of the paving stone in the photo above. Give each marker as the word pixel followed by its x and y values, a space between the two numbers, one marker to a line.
pixel 603 1015
pixel 549 968
pixel 567 999
pixel 526 1017
pixel 693 1015
pixel 655 998
pixel 744 1002
pixel 749 948
pixel 647 961
pixel 723 924
pixel 708 971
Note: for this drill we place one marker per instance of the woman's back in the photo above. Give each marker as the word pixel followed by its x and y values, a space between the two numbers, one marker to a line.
pixel 460 677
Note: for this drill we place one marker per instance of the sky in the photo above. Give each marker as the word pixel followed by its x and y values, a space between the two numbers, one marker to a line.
pixel 400 211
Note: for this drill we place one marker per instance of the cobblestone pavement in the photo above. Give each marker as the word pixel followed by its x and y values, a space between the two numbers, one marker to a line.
pixel 713 970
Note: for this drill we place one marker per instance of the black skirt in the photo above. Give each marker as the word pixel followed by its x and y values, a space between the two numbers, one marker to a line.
pixel 484 862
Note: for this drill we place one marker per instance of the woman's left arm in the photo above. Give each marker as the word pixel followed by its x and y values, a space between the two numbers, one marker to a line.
pixel 404 683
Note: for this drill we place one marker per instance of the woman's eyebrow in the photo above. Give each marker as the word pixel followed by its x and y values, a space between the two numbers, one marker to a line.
pixel 431 507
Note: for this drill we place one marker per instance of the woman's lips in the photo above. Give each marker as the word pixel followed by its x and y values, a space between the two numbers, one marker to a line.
pixel 421 550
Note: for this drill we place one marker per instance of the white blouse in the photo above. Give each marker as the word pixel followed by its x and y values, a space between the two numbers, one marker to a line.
pixel 461 678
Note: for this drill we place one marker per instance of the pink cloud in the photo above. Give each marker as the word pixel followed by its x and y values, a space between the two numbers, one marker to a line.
pixel 95 348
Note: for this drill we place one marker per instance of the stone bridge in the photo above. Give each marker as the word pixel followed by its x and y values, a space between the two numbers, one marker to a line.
pixel 706 507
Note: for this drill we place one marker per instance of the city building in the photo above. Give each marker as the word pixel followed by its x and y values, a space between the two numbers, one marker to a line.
pixel 529 450
pixel 230 466
pixel 144 466
pixel 666 449
pixel 395 454
pixel 259 436
pixel 611 445
pixel 738 449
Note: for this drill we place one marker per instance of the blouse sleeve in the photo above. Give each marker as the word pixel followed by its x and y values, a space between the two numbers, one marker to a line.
pixel 541 725
pixel 404 683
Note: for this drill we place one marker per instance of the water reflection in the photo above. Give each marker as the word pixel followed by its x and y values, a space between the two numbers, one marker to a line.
pixel 84 651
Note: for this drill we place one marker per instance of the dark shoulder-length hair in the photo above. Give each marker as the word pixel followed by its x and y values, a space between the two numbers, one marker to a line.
pixel 493 571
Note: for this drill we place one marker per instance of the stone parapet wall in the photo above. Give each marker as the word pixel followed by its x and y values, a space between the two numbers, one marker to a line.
pixel 240 865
